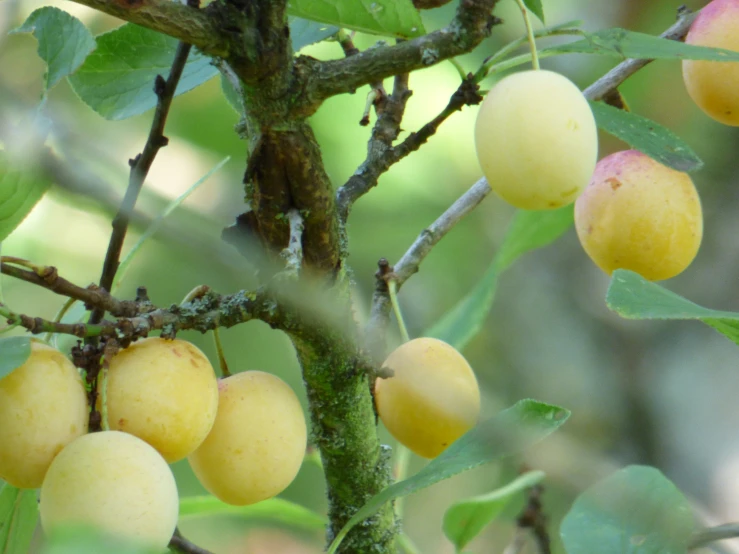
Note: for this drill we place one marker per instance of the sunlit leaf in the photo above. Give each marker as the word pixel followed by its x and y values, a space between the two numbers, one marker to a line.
pixel 20 189
pixel 637 510
pixel 528 231
pixel 510 432
pixel 536 8
pixel 18 517
pixel 398 18
pixel 464 520
pixel 117 79
pixel 63 41
pixel 14 351
pixel 633 297
pixel 647 136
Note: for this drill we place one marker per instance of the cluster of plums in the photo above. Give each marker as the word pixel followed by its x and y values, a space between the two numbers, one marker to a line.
pixel 244 437
pixel 537 143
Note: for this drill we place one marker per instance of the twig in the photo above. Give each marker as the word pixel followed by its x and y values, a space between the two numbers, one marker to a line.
pixel 705 537
pixel 382 156
pixel 532 517
pixel 38 325
pixel 178 543
pixel 140 165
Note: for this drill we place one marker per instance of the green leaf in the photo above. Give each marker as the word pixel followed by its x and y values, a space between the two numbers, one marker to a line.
pixel 274 509
pixel 464 520
pixel 395 18
pixel 630 44
pixel 647 136
pixel 528 231
pixel 304 32
pixel 117 79
pixel 14 351
pixel 18 517
pixel 88 540
pixel 510 432
pixel 154 226
pixel 536 8
pixel 232 95
pixel 63 41
pixel 637 510
pixel 633 297
pixel 20 190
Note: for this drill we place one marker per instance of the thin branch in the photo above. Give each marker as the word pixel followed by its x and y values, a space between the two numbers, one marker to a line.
pixel 472 23
pixel 184 546
pixel 381 157
pixel 705 537
pixel 93 296
pixel 177 20
pixel 613 79
pixel 140 168
pixel 37 325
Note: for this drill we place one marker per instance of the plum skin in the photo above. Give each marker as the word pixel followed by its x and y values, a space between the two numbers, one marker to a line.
pixel 258 441
pixel 432 398
pixel 536 140
pixel 714 86
pixel 640 215
pixel 43 407
pixel 164 392
pixel 115 482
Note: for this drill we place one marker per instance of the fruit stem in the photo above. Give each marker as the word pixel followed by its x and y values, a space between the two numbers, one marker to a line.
pixel 393 289
pixel 458 67
pixel 407 544
pixel 529 33
pixel 225 372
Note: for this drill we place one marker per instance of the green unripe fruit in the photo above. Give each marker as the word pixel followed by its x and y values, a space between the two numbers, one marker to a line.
pixel 536 140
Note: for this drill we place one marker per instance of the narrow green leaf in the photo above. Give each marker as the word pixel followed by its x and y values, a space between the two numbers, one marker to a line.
pixel 528 231
pixel 633 297
pixel 232 95
pixel 117 79
pixel 14 351
pixel 647 136
pixel 536 8
pixel 304 32
pixel 20 191
pixel 630 44
pixel 88 540
pixel 63 41
pixel 464 520
pixel 123 267
pixel 636 510
pixel 274 509
pixel 510 432
pixel 395 18
pixel 18 517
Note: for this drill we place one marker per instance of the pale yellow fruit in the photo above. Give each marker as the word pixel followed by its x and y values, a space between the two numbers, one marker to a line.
pixel 115 482
pixel 43 407
pixel 432 398
pixel 536 140
pixel 714 86
pixel 164 392
pixel 257 444
pixel 640 215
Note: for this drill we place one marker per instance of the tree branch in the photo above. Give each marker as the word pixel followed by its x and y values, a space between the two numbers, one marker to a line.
pixel 472 23
pixel 140 168
pixel 170 18
pixel 705 537
pixel 183 546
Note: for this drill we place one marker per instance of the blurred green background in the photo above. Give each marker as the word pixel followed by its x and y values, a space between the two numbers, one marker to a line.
pixel 640 392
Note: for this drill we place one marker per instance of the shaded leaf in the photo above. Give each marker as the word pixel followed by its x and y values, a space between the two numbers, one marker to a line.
pixel 637 510
pixel 63 41
pixel 536 8
pixel 528 231
pixel 117 79
pixel 304 32
pixel 647 136
pixel 630 44
pixel 274 509
pixel 633 297
pixel 14 351
pixel 464 520
pixel 396 18
pixel 18 517
pixel 20 190
pixel 510 432
pixel 88 540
